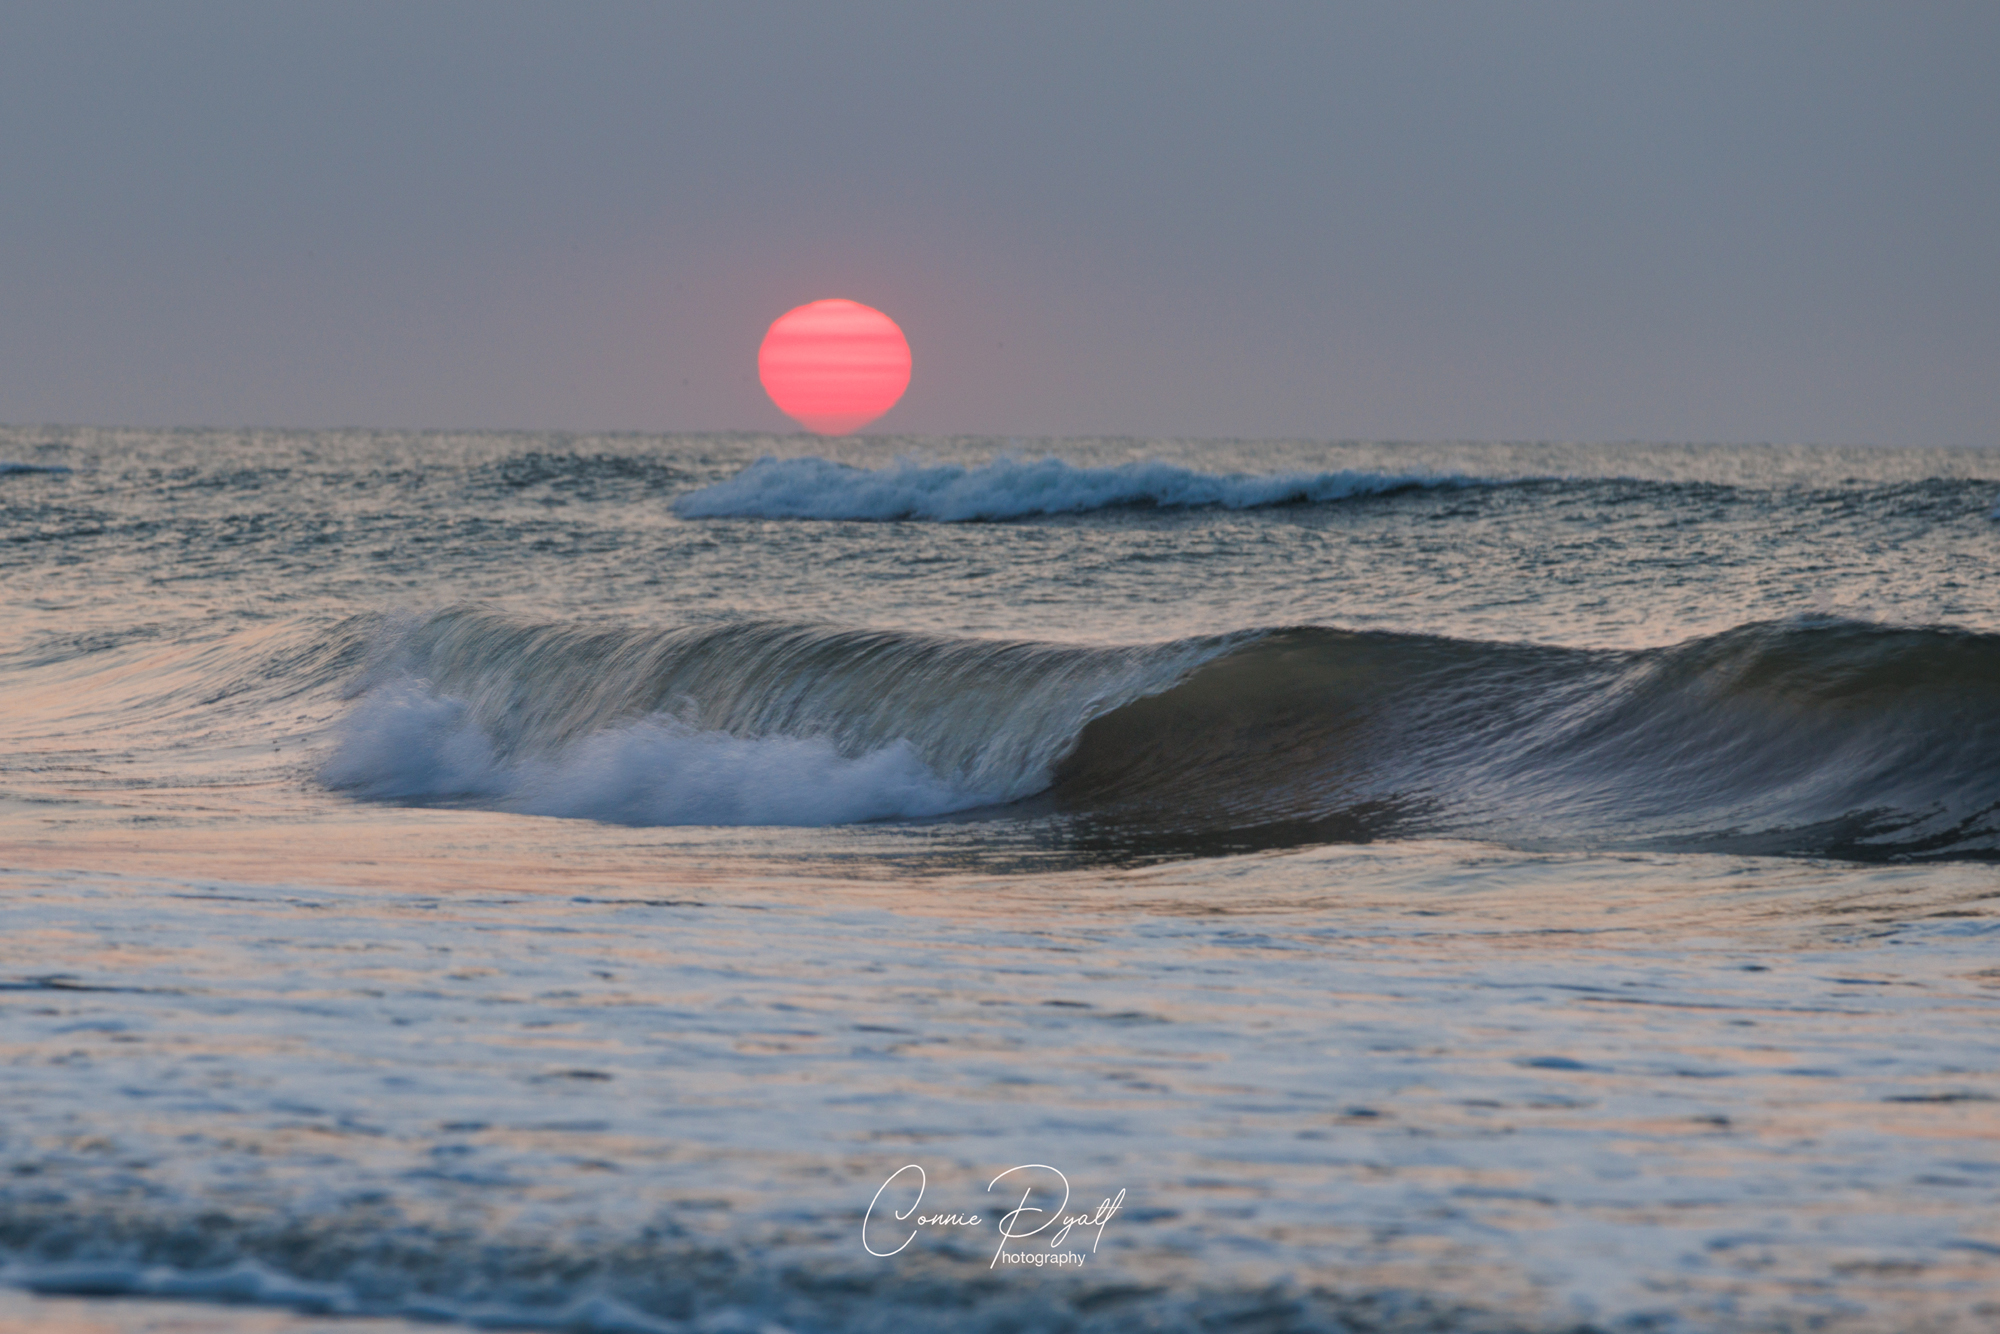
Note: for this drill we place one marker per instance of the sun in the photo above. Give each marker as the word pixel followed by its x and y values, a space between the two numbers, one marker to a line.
pixel 834 366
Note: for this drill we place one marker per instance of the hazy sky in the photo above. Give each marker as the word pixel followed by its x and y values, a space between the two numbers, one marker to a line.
pixel 1678 221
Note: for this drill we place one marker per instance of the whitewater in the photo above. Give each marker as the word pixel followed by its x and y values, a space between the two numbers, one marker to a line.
pixel 554 881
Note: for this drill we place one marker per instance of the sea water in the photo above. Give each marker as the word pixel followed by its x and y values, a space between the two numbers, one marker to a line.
pixel 717 883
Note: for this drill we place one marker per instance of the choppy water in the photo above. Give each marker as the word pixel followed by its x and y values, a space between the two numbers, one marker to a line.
pixel 556 881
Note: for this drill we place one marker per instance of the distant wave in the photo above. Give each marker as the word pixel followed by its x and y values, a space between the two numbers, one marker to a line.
pixel 816 488
pixel 6 467
pixel 1827 737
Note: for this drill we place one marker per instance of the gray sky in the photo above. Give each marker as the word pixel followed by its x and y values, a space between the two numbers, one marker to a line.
pixel 1730 221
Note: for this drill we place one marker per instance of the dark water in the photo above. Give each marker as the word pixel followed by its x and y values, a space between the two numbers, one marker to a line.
pixel 557 880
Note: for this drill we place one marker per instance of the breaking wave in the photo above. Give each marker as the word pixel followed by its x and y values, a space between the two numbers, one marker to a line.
pixel 748 723
pixel 1828 737
pixel 816 488
pixel 407 744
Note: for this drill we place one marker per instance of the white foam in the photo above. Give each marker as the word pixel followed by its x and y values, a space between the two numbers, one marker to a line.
pixel 403 743
pixel 816 488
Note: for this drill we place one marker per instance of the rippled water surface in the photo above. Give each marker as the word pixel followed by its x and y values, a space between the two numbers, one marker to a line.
pixel 556 881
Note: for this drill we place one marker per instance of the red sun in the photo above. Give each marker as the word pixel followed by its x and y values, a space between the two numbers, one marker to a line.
pixel 834 366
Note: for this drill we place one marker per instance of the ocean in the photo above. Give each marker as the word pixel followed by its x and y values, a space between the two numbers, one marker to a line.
pixel 734 883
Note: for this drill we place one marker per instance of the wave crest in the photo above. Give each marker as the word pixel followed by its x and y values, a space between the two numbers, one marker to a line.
pixel 1835 738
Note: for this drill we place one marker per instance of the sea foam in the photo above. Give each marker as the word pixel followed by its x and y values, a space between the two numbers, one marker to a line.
pixel 817 488
pixel 404 743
